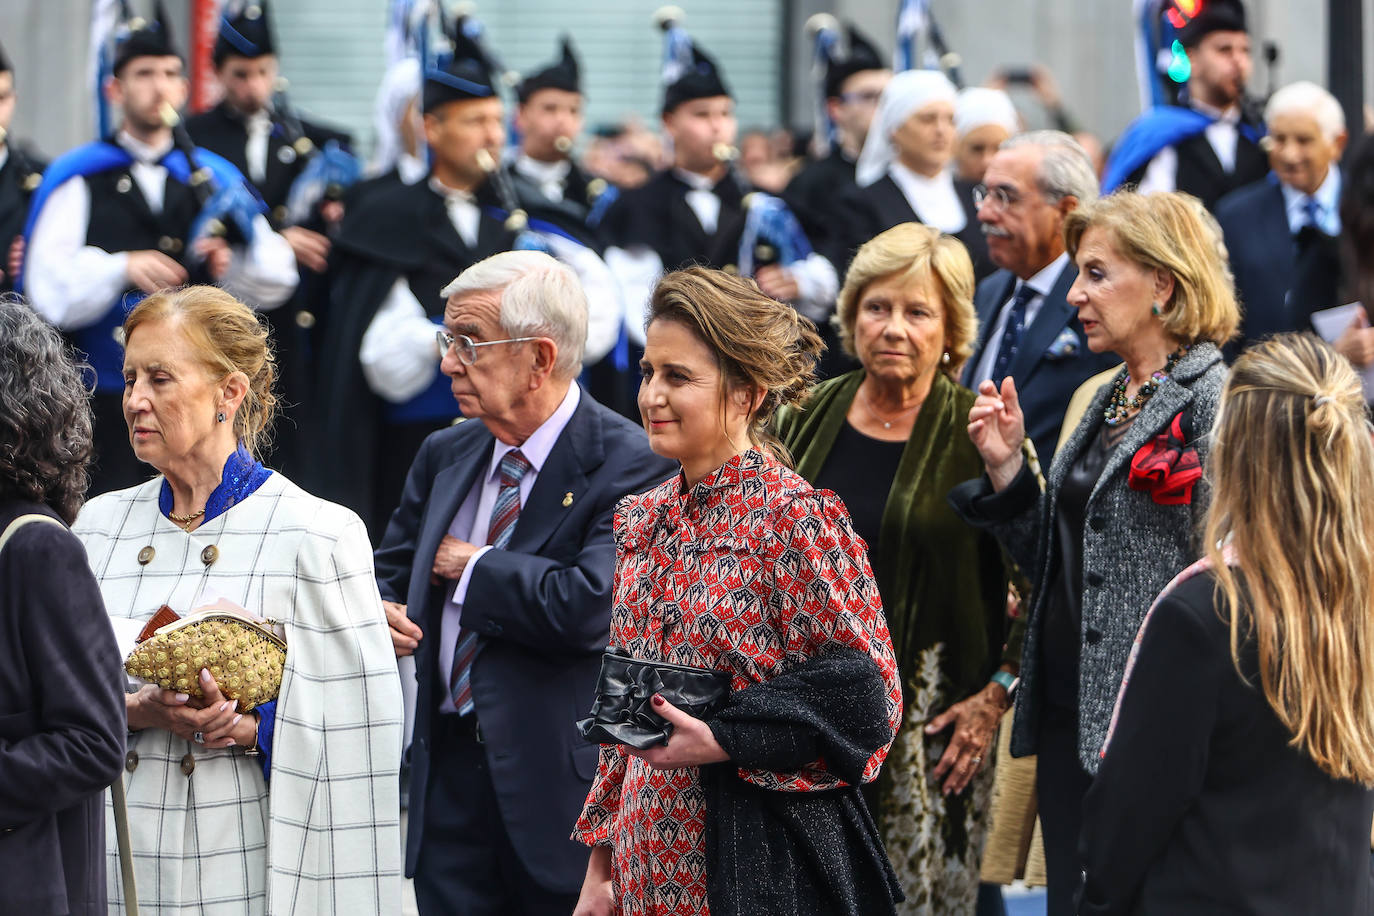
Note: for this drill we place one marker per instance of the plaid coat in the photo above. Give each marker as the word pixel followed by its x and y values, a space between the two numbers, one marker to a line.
pixel 209 835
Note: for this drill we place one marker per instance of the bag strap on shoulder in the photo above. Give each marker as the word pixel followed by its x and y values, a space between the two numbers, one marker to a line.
pixel 23 520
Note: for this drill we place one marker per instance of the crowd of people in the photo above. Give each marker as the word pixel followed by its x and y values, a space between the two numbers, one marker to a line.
pixel 936 427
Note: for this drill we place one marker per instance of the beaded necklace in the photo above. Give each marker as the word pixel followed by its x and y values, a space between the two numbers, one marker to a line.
pixel 1120 408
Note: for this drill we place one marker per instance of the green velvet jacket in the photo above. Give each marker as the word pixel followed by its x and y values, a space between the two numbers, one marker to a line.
pixel 941 580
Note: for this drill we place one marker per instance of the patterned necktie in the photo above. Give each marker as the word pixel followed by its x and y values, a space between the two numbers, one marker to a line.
pixel 503 518
pixel 1012 334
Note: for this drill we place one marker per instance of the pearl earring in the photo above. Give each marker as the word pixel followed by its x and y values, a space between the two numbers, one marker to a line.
pixel 944 359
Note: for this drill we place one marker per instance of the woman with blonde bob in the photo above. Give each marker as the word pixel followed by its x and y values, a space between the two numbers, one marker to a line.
pixel 889 439
pixel 289 807
pixel 1238 772
pixel 1117 517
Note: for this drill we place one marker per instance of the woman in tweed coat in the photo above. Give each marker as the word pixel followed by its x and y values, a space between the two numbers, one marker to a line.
pixel 293 807
pixel 1118 516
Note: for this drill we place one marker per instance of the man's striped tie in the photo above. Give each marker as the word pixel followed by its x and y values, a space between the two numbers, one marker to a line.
pixel 503 517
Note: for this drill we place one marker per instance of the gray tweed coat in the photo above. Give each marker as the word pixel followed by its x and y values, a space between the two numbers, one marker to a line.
pixel 1132 546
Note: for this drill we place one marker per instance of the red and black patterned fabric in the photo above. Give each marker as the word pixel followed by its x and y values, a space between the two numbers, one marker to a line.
pixel 1167 467
pixel 751 571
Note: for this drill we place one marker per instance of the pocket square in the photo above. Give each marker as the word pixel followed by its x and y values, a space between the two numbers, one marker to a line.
pixel 1064 346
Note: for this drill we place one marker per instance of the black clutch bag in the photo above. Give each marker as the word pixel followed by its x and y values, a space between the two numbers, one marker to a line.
pixel 622 713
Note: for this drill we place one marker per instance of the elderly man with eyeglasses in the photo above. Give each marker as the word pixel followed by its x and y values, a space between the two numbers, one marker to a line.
pixel 495 571
pixel 1028 330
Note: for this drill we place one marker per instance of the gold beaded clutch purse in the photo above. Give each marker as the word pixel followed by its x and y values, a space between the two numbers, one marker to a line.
pixel 243 655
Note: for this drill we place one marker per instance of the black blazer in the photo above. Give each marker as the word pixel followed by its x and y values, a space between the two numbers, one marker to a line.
pixel 62 721
pixel 882 205
pixel 1200 805
pixel 543 609
pixel 1052 362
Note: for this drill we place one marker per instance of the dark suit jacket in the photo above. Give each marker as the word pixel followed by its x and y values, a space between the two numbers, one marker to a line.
pixel 543 609
pixel 1201 804
pixel 1049 367
pixel 1268 263
pixel 880 206
pixel 62 721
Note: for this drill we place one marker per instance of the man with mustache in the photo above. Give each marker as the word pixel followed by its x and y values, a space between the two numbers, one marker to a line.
pixel 1029 330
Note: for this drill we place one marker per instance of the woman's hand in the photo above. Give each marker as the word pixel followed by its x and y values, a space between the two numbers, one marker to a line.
pixel 598 894
pixel 691 744
pixel 975 725
pixel 997 428
pixel 213 717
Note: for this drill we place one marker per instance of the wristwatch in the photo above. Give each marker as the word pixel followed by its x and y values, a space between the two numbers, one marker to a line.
pixel 1008 681
pixel 254 751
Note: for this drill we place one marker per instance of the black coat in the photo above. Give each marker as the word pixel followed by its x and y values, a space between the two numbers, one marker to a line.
pixel 62 721
pixel 1201 805
pixel 880 206
pixel 811 852
pixel 542 607
pixel 221 131
pixel 816 195
pixel 1200 172
pixel 18 180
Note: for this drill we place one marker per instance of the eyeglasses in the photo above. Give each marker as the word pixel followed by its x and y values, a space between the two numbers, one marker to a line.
pixel 869 97
pixel 467 348
pixel 1001 199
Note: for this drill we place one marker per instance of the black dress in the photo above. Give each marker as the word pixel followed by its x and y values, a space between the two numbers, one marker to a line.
pixel 1201 805
pixel 62 721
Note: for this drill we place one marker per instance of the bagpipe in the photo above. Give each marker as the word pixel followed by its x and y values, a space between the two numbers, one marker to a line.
pixel 329 170
pixel 227 208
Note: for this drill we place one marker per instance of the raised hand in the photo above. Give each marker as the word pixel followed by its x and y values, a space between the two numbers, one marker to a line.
pixel 997 428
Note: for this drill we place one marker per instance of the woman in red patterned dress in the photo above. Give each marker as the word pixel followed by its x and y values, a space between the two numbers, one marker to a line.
pixel 739 565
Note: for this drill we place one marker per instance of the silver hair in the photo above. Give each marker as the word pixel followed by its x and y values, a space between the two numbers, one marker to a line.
pixel 1065 170
pixel 1308 98
pixel 45 414
pixel 540 297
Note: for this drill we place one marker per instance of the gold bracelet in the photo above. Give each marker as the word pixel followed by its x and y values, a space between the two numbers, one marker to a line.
pixel 254 751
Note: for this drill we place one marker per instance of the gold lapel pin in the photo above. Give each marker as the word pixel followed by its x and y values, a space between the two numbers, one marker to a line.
pixel 567 499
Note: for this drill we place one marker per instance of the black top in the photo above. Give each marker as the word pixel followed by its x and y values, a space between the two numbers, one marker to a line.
pixel 860 469
pixel 18 180
pixel 878 207
pixel 1200 804
pixel 815 196
pixel 61 720
pixel 657 214
pixel 1064 607
pixel 1200 172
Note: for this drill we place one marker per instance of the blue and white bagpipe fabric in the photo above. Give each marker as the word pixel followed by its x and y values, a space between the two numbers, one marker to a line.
pixel 234 204
pixel 330 168
pixel 767 220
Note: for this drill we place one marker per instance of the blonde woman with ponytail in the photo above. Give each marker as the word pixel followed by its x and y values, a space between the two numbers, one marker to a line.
pixel 1237 776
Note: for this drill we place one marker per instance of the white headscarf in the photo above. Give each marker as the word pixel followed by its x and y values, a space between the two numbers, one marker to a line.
pixel 907 93
pixel 979 106
pixel 399 86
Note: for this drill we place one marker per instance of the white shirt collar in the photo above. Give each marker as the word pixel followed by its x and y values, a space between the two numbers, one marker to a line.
pixel 141 151
pixel 694 181
pixel 444 191
pixel 4 154
pixel 935 200
pixel 1328 199
pixel 1231 115
pixel 540 443
pixel 1043 281
pixel 543 172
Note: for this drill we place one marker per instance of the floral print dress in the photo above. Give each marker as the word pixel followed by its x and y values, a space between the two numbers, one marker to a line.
pixel 751 571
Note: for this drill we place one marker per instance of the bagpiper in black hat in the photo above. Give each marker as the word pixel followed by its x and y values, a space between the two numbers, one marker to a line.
pixel 862 56
pixel 246 34
pixel 1210 16
pixel 467 74
pixel 565 74
pixel 145 38
pixel 688 72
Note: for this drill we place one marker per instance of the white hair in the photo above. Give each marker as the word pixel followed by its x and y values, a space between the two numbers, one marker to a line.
pixel 1307 98
pixel 1065 170
pixel 540 297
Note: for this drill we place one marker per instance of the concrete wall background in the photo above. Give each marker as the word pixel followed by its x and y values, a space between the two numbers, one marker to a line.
pixel 1087 43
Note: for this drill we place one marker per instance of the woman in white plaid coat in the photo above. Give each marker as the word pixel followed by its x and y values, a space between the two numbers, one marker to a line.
pixel 292 807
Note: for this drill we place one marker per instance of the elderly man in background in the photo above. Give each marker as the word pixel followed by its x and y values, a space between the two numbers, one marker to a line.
pixel 1029 330
pixel 496 572
pixel 1282 233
